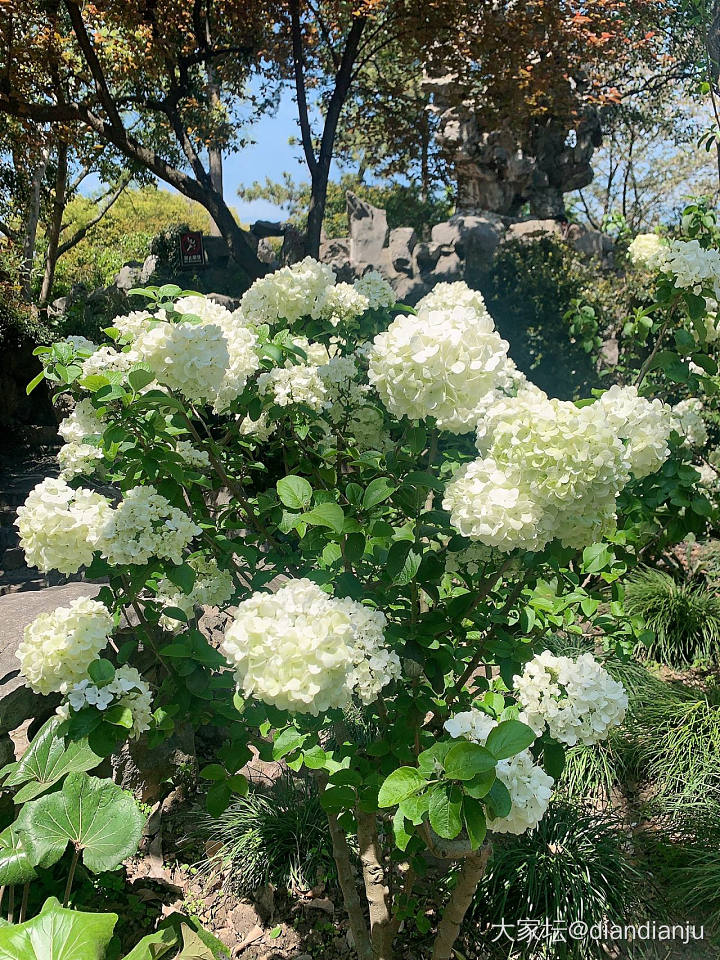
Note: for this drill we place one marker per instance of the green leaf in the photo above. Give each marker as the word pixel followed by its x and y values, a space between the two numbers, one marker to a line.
pixel 119 716
pixel 498 801
pixel 509 738
pixel 213 771
pixel 218 798
pixel 377 491
pixel 554 759
pixel 315 758
pixel 47 760
pixel 480 785
pixel 57 933
pixel 17 857
pixel 446 811
pixel 432 760
pixel 287 742
pixel 140 378
pixel 397 555
pixel 183 577
pixel 34 382
pixel 326 515
pixel 101 672
pixel 597 557
pixel 97 816
pixel 402 783
pixel 465 760
pixel 414 808
pixel 335 799
pixel 294 492
pixel 474 817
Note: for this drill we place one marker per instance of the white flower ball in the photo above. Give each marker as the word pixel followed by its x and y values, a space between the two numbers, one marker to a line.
pixel 439 364
pixel 78 459
pixel 58 647
pixel 213 587
pixel 189 358
pixel 60 527
pixel 127 688
pixel 376 290
pixel 259 430
pixel 287 294
pixel 644 424
pixel 577 700
pixel 301 383
pixel 131 325
pixel 530 788
pixel 302 650
pixel 694 267
pixel 689 423
pixel 84 421
pixel 340 304
pixel 145 525
pixel 447 296
pixel 191 455
pixel 106 360
pixel 648 250
pixel 207 310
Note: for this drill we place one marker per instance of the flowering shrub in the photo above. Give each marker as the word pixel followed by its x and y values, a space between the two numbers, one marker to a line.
pixel 396 517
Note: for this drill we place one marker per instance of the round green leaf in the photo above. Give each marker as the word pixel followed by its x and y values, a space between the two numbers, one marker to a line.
pixel 446 811
pixel 294 492
pixel 97 816
pixel 465 760
pixel 508 738
pixel 475 824
pixel 17 857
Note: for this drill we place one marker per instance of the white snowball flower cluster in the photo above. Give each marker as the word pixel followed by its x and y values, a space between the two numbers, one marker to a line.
pixel 648 250
pixel 145 525
pixel 288 294
pixel 440 364
pixel 300 649
pixel 343 391
pixel 60 527
pixel 243 361
pixel 300 383
pixel 689 422
pixel 131 325
pixel 78 459
pixel 260 430
pixel 213 587
pixel 58 647
pixel 82 422
pixel 127 688
pixel 376 290
pixel 577 700
pixel 644 424
pixel 549 470
pixel 317 353
pixel 530 788
pixel 208 311
pixel 190 358
pixel 446 296
pixel 340 304
pixel 106 360
pixel 191 455
pixel 694 267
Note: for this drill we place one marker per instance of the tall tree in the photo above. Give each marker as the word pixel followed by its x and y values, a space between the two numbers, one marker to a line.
pixel 148 79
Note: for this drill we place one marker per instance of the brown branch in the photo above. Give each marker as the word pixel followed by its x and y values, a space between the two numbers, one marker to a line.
pixel 469 877
pixel 341 855
pixel 376 889
pixel 300 88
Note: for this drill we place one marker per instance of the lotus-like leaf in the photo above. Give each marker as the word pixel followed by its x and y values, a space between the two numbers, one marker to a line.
pixel 47 760
pixel 17 857
pixel 58 934
pixel 97 816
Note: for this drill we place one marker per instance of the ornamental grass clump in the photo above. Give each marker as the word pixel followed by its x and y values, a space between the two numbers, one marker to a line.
pixel 683 617
pixel 306 465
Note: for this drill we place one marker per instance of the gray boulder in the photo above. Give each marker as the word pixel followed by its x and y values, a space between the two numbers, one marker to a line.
pixel 368 230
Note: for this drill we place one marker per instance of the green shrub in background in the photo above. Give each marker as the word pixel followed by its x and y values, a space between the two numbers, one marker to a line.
pixel 683 617
pixel 529 289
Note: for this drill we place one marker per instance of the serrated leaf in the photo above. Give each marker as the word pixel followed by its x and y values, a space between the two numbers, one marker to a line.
pixel 18 857
pixel 287 742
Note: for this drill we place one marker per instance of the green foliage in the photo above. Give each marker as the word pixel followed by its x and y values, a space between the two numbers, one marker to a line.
pixel 125 233
pixel 99 818
pixel 403 203
pixel 535 292
pixel 572 867
pixel 684 617
pixel 278 837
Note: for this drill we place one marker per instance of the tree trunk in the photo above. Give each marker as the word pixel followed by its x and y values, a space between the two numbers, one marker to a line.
pixel 376 889
pixel 469 877
pixel 216 179
pixel 341 855
pixel 55 225
pixel 31 224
